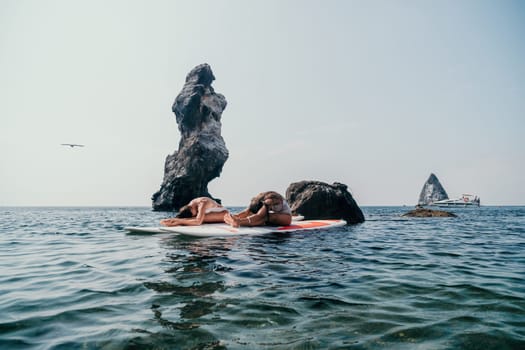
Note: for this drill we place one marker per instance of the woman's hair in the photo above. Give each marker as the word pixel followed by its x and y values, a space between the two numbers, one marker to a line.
pixel 258 201
pixel 273 196
pixel 255 205
pixel 184 212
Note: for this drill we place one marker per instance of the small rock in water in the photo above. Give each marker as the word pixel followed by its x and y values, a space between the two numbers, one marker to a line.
pixel 319 200
pixel 427 213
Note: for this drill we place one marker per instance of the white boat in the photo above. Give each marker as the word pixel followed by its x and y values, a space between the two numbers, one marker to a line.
pixel 464 201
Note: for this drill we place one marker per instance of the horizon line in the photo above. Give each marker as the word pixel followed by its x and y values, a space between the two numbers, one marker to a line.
pixel 145 206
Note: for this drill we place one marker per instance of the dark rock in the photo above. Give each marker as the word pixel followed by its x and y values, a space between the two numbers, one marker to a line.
pixel 427 213
pixel 432 191
pixel 319 200
pixel 202 151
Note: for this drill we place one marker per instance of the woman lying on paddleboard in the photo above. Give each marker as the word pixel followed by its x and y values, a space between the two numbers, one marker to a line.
pixel 200 210
pixel 267 208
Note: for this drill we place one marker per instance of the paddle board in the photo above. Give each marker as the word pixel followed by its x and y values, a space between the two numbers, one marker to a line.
pixel 225 230
pixel 136 229
pixel 160 229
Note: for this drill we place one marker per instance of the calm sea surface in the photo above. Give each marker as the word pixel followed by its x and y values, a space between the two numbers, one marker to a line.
pixel 72 278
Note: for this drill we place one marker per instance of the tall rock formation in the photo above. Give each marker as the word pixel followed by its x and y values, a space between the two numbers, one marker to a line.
pixel 202 151
pixel 432 191
pixel 319 200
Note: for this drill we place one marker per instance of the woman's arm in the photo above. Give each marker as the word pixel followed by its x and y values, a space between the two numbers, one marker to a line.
pixel 258 218
pixel 243 213
pixel 170 222
pixel 196 221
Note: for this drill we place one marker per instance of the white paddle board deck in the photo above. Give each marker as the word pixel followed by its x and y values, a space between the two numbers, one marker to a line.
pixel 162 229
pixel 225 230
pixel 142 230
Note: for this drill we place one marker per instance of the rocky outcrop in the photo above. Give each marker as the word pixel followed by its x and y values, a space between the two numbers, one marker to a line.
pixel 432 191
pixel 202 151
pixel 427 213
pixel 319 200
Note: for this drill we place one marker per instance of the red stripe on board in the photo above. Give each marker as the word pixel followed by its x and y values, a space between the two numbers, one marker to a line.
pixel 311 224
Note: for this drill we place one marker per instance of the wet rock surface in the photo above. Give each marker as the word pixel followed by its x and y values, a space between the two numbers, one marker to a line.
pixel 202 151
pixel 427 213
pixel 432 191
pixel 319 200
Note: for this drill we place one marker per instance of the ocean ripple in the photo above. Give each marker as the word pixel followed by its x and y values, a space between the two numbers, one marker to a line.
pixel 72 278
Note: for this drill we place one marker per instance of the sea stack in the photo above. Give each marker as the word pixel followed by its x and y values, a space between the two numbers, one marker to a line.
pixel 432 191
pixel 319 200
pixel 202 151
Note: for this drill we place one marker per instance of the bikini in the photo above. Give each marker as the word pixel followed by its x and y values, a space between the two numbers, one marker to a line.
pixel 215 210
pixel 284 210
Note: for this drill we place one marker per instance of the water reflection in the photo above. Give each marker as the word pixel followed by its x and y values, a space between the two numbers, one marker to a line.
pixel 388 283
pixel 192 274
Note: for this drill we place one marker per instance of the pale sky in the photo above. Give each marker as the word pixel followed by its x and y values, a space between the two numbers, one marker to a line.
pixel 373 94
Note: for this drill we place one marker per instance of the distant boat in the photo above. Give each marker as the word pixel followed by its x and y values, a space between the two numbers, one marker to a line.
pixel 71 145
pixel 465 200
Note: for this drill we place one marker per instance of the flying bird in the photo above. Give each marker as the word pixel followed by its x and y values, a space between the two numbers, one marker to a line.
pixel 71 145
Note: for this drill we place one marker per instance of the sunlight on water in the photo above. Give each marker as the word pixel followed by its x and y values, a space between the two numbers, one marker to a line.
pixel 73 278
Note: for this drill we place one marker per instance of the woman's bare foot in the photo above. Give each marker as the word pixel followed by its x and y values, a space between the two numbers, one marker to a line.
pixel 231 220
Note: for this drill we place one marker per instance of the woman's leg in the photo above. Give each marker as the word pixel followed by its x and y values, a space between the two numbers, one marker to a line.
pixel 215 216
pixel 280 219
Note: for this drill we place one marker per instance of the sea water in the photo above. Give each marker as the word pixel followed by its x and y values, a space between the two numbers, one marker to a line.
pixel 72 278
